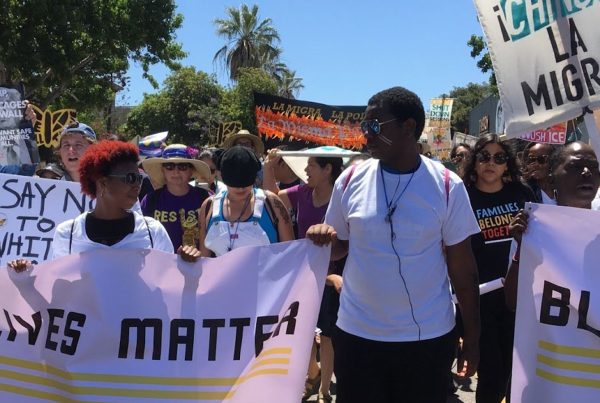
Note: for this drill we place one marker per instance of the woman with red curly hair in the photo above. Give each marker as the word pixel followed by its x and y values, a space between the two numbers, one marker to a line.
pixel 108 173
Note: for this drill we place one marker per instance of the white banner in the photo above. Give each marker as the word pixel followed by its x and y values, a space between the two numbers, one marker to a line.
pixel 546 56
pixel 30 210
pixel 141 326
pixel 556 354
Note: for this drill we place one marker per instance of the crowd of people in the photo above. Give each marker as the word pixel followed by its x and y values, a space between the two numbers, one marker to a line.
pixel 405 232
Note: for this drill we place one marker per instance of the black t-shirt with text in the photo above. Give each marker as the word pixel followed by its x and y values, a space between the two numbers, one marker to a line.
pixel 493 212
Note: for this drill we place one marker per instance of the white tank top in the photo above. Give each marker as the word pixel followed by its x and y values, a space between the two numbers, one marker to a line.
pixel 224 236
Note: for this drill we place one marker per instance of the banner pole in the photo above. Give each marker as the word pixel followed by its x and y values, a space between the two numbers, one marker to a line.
pixel 593 133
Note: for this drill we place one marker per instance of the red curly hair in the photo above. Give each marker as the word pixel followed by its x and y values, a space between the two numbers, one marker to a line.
pixel 98 160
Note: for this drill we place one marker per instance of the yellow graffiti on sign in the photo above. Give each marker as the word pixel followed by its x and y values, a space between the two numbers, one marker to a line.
pixel 49 125
pixel 228 128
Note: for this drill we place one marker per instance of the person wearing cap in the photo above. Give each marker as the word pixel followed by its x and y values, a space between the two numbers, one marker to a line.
pixel 73 141
pixel 242 215
pixel 50 171
pixel 174 202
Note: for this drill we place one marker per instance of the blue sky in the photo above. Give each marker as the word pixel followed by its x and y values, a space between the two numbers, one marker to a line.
pixel 345 51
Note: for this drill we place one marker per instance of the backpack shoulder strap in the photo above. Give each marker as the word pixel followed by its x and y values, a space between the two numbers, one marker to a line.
pixel 447 185
pixel 347 180
pixel 149 233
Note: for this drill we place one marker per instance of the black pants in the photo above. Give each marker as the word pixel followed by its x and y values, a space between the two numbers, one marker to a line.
pixel 495 348
pixel 370 371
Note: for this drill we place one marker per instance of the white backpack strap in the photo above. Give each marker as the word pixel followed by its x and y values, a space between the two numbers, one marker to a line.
pixel 259 203
pixel 216 204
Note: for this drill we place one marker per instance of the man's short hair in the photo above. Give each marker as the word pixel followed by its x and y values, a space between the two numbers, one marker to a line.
pixel 403 104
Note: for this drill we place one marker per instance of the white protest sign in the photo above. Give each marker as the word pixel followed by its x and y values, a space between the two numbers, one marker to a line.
pixel 142 325
pixel 556 354
pixel 30 210
pixel 546 56
pixel 17 138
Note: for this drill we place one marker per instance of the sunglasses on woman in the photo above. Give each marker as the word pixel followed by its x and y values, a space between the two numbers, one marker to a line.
pixel 540 159
pixel 372 127
pixel 130 178
pixel 499 158
pixel 170 166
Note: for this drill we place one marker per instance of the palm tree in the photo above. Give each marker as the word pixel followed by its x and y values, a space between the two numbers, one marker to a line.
pixel 250 42
pixel 289 84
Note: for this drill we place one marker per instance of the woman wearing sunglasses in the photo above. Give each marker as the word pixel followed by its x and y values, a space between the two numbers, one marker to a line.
pixel 536 169
pixel 496 194
pixel 174 202
pixel 108 173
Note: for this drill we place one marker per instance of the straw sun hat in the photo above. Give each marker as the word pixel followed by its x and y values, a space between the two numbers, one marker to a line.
pixel 231 139
pixel 175 153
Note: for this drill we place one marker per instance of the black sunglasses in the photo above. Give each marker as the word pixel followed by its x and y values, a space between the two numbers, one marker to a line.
pixel 540 159
pixel 372 127
pixel 130 178
pixel 499 158
pixel 169 166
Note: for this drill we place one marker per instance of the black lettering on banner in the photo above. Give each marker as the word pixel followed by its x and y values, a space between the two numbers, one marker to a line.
pixel 259 335
pixel 575 82
pixel 33 331
pixel 24 219
pixel 140 327
pixel 531 95
pixel 9 190
pixel 52 328
pixel 213 325
pixel 239 324
pixel 548 301
pixel 558 57
pixel 584 305
pixel 79 319
pixel 79 200
pixel 187 340
pixel 12 334
pixel 589 76
pixel 43 196
pixel 290 319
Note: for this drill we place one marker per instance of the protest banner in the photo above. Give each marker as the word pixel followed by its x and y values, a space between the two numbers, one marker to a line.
pixel 30 210
pixel 546 58
pixel 142 325
pixel 556 134
pixel 50 124
pixel 17 139
pixel 437 127
pixel 309 121
pixel 556 354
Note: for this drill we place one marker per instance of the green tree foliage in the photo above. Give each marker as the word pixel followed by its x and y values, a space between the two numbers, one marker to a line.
pixel 77 53
pixel 187 107
pixel 289 84
pixel 479 49
pixel 238 103
pixel 250 41
pixel 465 99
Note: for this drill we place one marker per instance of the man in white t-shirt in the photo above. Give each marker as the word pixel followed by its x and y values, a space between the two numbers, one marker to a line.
pixel 392 216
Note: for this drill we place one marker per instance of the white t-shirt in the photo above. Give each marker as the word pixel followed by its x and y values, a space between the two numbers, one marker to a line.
pixel 138 239
pixel 376 300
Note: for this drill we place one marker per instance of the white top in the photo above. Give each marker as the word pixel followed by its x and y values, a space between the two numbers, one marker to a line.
pixel 375 304
pixel 138 239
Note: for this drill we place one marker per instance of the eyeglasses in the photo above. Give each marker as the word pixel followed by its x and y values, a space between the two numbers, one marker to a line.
pixel 130 178
pixel 373 126
pixel 540 159
pixel 170 166
pixel 460 156
pixel 499 158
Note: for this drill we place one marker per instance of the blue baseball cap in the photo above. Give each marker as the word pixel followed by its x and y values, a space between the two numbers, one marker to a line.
pixel 81 128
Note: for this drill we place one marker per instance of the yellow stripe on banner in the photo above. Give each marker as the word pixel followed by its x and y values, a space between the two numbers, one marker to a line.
pixel 273 351
pixel 271 361
pixel 568 380
pixel 129 379
pixel 96 391
pixel 569 365
pixel 569 350
pixel 52 397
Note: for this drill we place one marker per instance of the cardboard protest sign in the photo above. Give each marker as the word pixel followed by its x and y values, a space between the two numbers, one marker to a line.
pixel 437 126
pixel 546 56
pixel 556 356
pixel 17 140
pixel 309 121
pixel 142 325
pixel 30 210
